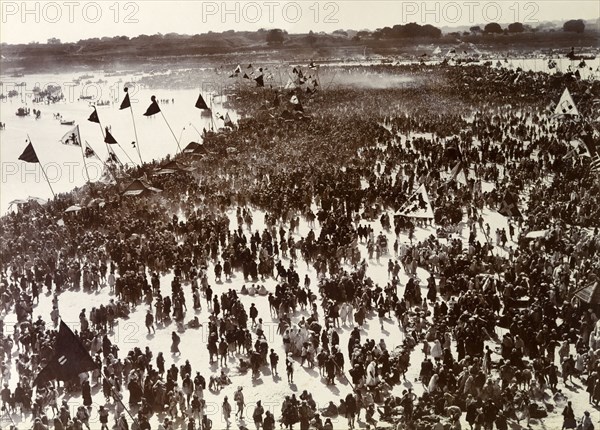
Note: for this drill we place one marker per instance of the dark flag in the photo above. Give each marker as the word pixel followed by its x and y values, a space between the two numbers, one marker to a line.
pixel 249 66
pixel 259 81
pixel 228 122
pixel 246 76
pixel 109 137
pixel 89 152
pixel 153 108
pixel 200 103
pixel 29 154
pixel 312 65
pixel 70 359
pixel 509 205
pixel 94 117
pixel 125 103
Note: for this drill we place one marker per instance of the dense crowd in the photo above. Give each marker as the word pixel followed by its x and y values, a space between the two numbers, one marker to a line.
pixel 352 159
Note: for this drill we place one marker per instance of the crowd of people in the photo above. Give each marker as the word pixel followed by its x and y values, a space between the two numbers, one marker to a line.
pixel 325 187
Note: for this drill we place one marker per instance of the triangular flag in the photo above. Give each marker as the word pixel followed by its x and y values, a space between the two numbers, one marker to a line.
pixel 580 148
pixel 510 205
pixel 246 76
pixel 566 105
pixel 418 205
pixel 29 154
pixel 70 359
pixel 228 121
pixel 200 103
pixel 72 137
pixel 126 102
pixel 153 108
pixel 94 117
pixel 259 81
pixel 237 70
pixel 109 137
pixel 88 151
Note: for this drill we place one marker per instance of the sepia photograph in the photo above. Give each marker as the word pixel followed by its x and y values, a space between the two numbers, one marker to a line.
pixel 299 215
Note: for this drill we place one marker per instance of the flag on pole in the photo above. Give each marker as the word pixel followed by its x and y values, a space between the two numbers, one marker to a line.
pixel 108 138
pixel 200 103
pixel 69 361
pixel 228 121
pixel 29 154
pixel 566 105
pixel 126 102
pixel 112 156
pixel 94 117
pixel 260 81
pixel 238 69
pixel 72 137
pixel 88 151
pixel 510 205
pixel 418 205
pixel 153 108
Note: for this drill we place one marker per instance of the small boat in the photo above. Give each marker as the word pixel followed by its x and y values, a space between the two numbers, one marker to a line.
pixel 62 122
pixel 86 97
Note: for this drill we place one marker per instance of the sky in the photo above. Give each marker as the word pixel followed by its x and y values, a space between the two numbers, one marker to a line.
pixel 70 21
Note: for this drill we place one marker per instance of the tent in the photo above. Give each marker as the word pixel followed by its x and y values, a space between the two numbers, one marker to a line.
pixel 172 167
pixel 139 188
pixel 194 148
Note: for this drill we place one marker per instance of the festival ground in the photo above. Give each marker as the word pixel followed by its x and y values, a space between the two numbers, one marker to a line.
pixel 268 388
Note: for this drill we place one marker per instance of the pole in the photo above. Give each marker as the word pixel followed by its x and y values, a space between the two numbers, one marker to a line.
pixel 137 142
pixel 84 165
pixel 101 129
pixel 117 397
pixel 174 137
pixel 42 167
pixel 122 149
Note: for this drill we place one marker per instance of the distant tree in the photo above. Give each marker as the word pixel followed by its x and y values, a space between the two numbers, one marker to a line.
pixel 363 33
pixel 475 29
pixel 516 27
pixel 275 37
pixel 493 27
pixel 356 38
pixel 340 33
pixel 53 41
pixel 311 39
pixel 466 33
pixel 574 25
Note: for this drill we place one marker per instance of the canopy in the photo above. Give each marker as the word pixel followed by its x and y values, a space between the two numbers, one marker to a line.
pixel 536 234
pixel 74 208
pixel 138 187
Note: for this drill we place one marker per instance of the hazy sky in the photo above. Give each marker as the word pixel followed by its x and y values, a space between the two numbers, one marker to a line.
pixel 26 21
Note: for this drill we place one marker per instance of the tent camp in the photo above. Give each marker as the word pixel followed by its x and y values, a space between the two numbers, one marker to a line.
pixel 139 188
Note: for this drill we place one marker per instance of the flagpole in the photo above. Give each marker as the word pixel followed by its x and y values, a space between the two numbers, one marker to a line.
pixel 117 397
pixel 103 163
pixel 83 157
pixel 41 166
pixel 174 137
pixel 101 129
pixel 137 142
pixel 122 149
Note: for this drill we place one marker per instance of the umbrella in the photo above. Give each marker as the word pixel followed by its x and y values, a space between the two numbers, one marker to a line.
pixel 74 208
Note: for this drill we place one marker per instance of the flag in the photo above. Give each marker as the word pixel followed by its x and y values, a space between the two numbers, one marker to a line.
pixel 294 100
pixel 459 173
pixel 510 205
pixel 70 359
pixel 418 205
pixel 88 151
pixel 595 164
pixel 312 65
pixel 246 76
pixel 112 156
pixel 259 81
pixel 566 105
pixel 126 102
pixel 109 137
pixel 153 108
pixel 72 137
pixel 551 64
pixel 29 154
pixel 237 70
pixel 200 103
pixel 219 116
pixel 580 148
pixel 94 117
pixel 249 66
pixel 228 121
